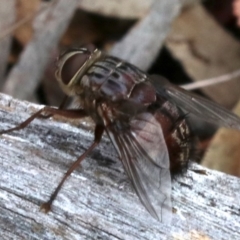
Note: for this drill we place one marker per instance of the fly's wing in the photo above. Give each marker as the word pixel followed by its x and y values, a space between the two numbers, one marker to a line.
pixel 144 154
pixel 191 103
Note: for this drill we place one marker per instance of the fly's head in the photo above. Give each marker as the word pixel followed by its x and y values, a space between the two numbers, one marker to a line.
pixel 72 66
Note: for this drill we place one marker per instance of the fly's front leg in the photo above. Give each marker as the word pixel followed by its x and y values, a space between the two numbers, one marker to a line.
pixel 69 113
pixel 61 106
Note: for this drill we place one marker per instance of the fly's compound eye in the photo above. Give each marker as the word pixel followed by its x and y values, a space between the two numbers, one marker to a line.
pixel 70 64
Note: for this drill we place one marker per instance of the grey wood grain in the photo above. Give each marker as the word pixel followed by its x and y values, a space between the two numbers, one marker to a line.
pixel 97 201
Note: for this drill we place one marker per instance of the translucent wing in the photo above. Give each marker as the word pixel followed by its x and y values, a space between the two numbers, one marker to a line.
pixel 191 103
pixel 144 154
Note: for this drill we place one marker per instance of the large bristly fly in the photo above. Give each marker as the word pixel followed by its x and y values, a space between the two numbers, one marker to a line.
pixel 144 116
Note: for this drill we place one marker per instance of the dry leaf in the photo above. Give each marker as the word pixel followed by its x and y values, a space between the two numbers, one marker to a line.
pixel 224 152
pixel 236 10
pixel 25 8
pixel 206 50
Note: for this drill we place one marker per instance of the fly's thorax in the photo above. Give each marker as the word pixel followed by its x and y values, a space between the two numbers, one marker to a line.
pixel 113 79
pixel 72 67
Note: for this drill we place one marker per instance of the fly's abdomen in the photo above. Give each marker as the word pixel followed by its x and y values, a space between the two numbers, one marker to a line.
pixel 178 136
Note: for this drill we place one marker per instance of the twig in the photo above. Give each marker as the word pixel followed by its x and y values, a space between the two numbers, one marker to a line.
pixel 211 81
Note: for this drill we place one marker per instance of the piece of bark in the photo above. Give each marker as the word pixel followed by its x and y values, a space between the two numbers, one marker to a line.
pixel 206 50
pixel 7 17
pixel 49 27
pixel 97 201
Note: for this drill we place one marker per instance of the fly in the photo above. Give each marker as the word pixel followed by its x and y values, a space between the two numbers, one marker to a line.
pixel 145 117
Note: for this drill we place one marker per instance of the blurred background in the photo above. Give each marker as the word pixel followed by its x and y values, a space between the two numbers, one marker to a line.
pixel 186 41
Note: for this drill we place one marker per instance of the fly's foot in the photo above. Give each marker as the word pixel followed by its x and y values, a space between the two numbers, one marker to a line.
pixel 46 207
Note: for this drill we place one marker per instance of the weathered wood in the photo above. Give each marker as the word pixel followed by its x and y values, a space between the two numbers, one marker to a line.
pixel 97 201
